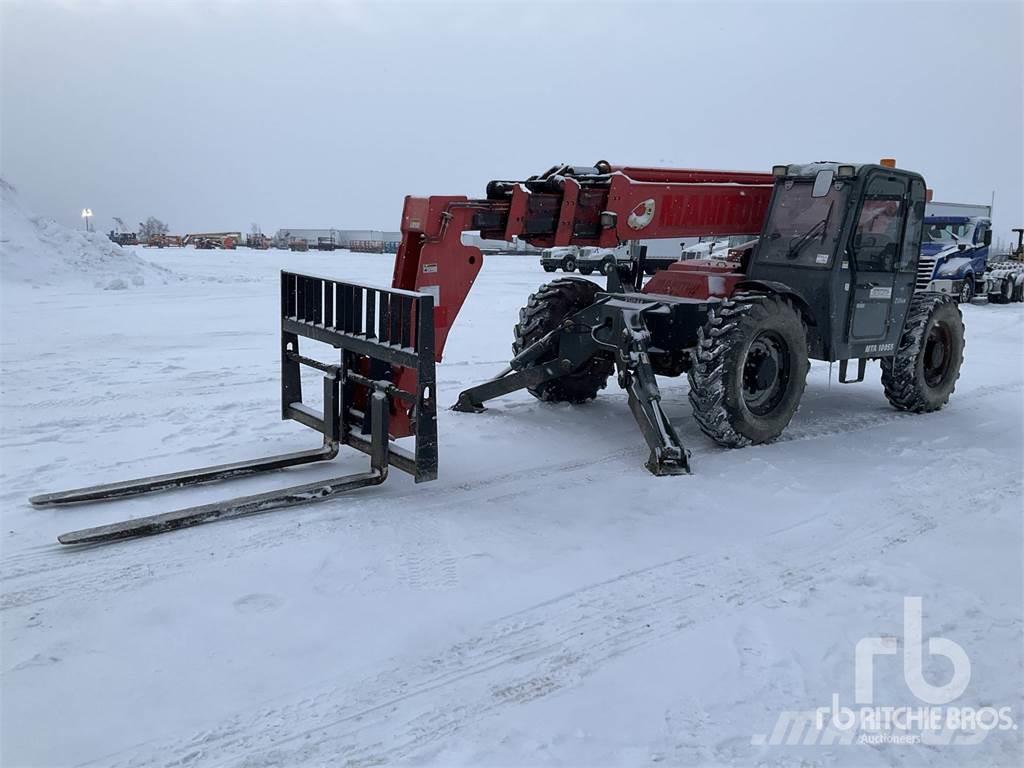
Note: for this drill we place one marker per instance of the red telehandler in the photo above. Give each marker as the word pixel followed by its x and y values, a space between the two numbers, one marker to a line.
pixel 831 277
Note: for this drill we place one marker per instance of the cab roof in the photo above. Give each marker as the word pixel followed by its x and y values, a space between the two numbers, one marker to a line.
pixel 809 170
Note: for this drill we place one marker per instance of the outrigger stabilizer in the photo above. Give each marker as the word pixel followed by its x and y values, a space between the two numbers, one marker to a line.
pixel 611 332
pixel 382 388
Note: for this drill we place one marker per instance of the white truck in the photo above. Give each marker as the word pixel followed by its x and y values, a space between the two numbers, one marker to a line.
pixel 715 248
pixel 603 260
pixel 590 259
pixel 562 257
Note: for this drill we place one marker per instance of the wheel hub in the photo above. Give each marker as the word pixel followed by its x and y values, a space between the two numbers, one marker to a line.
pixel 765 373
pixel 966 292
pixel 936 355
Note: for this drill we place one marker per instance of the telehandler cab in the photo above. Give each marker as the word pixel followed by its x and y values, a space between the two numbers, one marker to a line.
pixel 830 277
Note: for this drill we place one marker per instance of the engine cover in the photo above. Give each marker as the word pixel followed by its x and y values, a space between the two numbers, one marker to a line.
pixel 696 279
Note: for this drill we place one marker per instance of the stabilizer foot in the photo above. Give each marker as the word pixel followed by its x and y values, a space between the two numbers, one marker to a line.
pixel 662 463
pixel 466 404
pixel 472 400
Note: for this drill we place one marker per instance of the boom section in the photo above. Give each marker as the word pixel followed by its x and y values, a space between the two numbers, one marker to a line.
pixel 601 206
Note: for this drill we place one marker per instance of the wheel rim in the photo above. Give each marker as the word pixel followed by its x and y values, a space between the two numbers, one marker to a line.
pixel 569 266
pixel 966 292
pixel 766 373
pixel 938 353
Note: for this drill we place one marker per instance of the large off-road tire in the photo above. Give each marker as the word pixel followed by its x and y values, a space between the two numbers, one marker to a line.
pixel 569 265
pixel 1018 288
pixel 550 267
pixel 749 370
pixel 922 374
pixel 545 310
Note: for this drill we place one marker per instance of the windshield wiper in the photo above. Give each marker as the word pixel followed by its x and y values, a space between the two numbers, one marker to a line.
pixel 794 247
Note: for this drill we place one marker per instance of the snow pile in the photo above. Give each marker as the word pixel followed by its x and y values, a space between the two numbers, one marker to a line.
pixel 35 250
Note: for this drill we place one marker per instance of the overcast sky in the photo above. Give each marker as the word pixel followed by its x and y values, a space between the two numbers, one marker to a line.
pixel 215 115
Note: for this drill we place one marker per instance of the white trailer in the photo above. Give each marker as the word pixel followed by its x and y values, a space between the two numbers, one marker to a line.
pixel 936 208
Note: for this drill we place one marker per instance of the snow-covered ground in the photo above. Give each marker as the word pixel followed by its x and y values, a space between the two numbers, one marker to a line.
pixel 545 602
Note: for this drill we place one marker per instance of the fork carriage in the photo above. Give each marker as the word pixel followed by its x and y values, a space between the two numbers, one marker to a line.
pixel 382 388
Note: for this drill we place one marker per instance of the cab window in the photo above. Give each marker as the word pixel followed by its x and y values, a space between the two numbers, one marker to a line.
pixel 979 234
pixel 879 231
pixel 803 230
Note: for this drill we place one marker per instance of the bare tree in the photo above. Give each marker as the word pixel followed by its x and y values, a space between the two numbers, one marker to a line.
pixel 151 227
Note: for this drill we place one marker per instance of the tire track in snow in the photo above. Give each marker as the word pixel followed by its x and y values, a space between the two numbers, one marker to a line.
pixel 838 424
pixel 424 559
pixel 535 652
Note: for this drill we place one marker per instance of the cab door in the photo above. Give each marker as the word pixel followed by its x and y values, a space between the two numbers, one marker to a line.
pixel 906 269
pixel 982 240
pixel 875 249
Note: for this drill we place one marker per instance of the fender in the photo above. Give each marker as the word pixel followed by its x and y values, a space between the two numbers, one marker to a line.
pixel 815 341
pixel 772 286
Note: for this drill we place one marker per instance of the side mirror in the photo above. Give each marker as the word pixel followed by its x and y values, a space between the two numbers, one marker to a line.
pixel 988 237
pixel 822 183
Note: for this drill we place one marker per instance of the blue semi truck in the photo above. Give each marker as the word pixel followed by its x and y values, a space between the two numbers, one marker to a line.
pixel 955 256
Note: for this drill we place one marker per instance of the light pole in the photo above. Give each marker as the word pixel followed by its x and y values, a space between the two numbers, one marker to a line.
pixel 87 215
